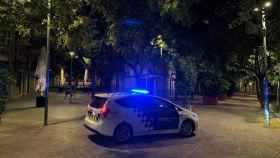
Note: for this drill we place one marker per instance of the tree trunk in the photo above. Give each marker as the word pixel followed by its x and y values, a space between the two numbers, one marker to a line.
pixel 259 88
pixel 11 62
pixel 93 83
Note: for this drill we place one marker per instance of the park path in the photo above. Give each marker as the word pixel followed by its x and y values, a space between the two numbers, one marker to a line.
pixel 228 130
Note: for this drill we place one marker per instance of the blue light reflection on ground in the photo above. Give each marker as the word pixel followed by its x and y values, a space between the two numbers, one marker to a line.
pixel 266 103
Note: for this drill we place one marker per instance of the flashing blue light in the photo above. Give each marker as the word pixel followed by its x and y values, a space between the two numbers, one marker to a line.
pixel 140 91
pixel 266 103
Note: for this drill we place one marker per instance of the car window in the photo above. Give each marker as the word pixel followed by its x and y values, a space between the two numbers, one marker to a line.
pixel 97 102
pixel 136 102
pixel 165 108
pixel 127 102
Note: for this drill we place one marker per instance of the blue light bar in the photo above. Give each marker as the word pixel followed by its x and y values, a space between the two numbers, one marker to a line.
pixel 140 91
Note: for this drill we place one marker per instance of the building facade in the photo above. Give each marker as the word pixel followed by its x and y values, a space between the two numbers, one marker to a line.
pixel 159 81
pixel 21 63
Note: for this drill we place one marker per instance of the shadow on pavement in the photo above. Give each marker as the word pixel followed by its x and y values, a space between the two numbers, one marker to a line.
pixel 66 120
pixel 249 115
pixel 245 107
pixel 150 141
pixel 21 108
pixel 239 105
pixel 244 98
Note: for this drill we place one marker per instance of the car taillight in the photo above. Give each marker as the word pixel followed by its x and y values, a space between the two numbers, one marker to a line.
pixel 104 110
pixel 88 107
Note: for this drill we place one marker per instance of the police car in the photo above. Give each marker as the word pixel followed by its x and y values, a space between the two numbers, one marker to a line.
pixel 124 115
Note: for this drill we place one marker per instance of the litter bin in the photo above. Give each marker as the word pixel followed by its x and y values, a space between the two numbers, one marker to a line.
pixel 41 101
pixel 60 89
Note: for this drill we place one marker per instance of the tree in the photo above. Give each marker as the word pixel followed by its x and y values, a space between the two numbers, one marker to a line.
pixel 248 25
pixel 186 75
pixel 128 33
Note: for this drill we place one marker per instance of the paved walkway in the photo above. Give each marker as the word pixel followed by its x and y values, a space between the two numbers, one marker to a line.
pixel 228 130
pixel 23 111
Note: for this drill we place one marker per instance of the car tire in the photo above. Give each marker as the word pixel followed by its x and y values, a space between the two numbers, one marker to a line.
pixel 187 128
pixel 123 133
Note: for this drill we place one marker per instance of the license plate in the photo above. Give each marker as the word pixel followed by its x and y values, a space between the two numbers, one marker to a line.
pixel 92 116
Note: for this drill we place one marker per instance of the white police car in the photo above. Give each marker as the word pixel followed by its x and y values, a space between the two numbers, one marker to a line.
pixel 124 115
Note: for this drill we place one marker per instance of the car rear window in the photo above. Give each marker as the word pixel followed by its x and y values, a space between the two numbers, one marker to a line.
pixel 128 102
pixel 97 102
pixel 135 101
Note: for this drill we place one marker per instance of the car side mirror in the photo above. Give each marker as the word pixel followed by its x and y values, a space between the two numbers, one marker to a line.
pixel 178 109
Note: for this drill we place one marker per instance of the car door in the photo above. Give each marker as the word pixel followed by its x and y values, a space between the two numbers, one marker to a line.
pixel 140 112
pixel 146 112
pixel 167 115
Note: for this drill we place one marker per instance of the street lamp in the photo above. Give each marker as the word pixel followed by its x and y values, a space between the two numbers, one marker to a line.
pixel 48 63
pixel 256 9
pixel 72 54
pixel 267 4
pixel 158 42
pixel 265 80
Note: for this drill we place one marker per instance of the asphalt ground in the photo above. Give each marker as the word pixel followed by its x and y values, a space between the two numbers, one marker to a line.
pixel 232 129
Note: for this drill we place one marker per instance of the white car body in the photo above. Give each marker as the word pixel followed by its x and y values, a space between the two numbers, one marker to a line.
pixel 142 123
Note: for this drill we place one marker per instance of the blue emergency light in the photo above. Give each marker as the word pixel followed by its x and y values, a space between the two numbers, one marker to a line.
pixel 140 91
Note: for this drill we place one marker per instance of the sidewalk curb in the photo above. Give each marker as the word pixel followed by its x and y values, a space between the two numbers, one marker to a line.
pixel 275 115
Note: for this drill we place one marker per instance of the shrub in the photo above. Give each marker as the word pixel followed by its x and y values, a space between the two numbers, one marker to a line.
pixel 275 108
pixel 3 86
pixel 214 85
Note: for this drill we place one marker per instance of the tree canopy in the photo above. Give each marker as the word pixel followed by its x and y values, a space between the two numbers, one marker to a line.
pixel 202 37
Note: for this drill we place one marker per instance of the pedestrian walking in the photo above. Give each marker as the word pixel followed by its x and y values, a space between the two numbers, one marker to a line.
pixel 68 93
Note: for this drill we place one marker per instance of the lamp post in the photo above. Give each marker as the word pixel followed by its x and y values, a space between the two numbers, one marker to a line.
pixel 46 59
pixel 277 94
pixel 265 79
pixel 72 54
pixel 47 62
pixel 158 42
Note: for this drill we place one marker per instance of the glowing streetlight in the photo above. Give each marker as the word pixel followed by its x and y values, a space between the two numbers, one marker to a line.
pixel 62 77
pixel 256 9
pixel 267 4
pixel 71 54
pixel 160 43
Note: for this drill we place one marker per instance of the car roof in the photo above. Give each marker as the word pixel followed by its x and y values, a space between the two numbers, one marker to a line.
pixel 117 95
pixel 111 95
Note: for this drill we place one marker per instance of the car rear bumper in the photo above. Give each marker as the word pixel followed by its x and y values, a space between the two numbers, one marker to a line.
pixel 98 128
pixel 92 130
pixel 196 124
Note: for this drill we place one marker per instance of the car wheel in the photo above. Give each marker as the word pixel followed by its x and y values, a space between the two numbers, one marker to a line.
pixel 187 128
pixel 123 133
